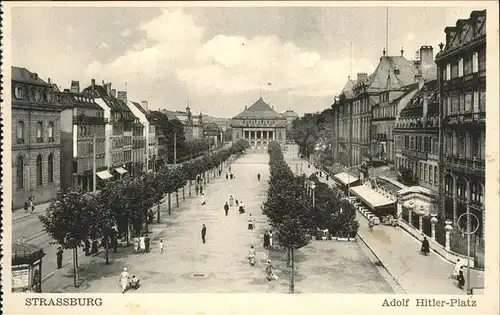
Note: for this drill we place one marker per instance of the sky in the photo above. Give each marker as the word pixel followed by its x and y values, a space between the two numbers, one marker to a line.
pixel 220 59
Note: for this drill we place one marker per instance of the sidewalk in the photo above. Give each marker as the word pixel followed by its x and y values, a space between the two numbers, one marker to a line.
pixel 399 253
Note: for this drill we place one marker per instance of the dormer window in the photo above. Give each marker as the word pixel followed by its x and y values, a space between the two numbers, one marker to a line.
pixel 18 92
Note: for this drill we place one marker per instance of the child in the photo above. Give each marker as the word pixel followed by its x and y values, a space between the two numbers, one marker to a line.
pixel 161 246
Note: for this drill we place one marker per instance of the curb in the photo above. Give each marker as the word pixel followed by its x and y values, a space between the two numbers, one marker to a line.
pixel 383 265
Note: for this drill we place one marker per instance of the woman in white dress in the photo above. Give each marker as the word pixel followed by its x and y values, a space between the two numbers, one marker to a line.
pixel 124 279
pixel 202 199
pixel 271 239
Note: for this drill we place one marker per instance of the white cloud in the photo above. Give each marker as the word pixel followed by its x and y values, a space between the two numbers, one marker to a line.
pixel 227 64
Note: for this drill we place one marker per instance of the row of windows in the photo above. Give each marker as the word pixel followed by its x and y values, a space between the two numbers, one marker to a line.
pixel 420 143
pixel 117 157
pixel 20 163
pixel 464 66
pixel 360 129
pixel 21 131
pixel 152 129
pixel 36 94
pixel 117 143
pixel 127 156
pixel 138 144
pixel 87 148
pixel 117 130
pixel 471 101
pixel 255 122
pixel 90 131
pixel 467 144
pixel 386 111
pixel 127 140
pixel 428 173
pixel 475 192
pixel 360 106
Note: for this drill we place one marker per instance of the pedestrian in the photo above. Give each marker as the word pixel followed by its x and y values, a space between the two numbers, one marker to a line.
pixel 197 186
pixel 59 256
pixel 115 244
pixel 270 239
pixel 266 240
pixel 142 243
pixel 461 278
pixel 220 172
pixel 201 189
pixel 161 246
pixel 124 279
pixel 456 270
pixel 242 207
pixel 231 175
pixel 32 206
pixel 236 202
pixel 147 240
pixel 137 244
pixel 258 177
pixel 231 200
pixel 95 247
pixel 226 208
pixel 202 198
pixel 227 175
pixel 203 233
pixel 250 222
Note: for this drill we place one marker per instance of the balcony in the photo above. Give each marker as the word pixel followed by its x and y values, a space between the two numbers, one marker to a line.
pixel 20 141
pixel 414 154
pixel 50 139
pixel 82 119
pixel 464 80
pixel 470 166
pixel 39 140
pixel 466 118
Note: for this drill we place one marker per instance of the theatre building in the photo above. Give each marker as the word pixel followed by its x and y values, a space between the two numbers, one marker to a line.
pixel 462 87
pixel 259 124
pixel 36 142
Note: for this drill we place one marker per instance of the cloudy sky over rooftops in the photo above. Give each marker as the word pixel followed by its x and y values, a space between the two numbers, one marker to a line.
pixel 223 58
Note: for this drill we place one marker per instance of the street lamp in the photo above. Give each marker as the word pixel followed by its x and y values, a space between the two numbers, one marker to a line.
pixel 468 232
pixel 313 197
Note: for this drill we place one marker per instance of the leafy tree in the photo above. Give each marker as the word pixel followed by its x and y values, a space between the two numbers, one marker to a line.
pixel 69 220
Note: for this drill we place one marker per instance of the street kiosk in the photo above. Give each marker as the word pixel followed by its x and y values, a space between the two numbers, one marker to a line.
pixel 26 268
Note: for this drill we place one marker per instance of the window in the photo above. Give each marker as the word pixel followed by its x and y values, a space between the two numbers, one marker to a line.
pixel 448 72
pixel 50 169
pixel 426 172
pixel 468 66
pixel 18 92
pixel 475 101
pixel 39 126
pixel 39 170
pixel 468 101
pixel 20 132
pixel 51 131
pixel 421 171
pixel 461 67
pixel 430 174
pixel 482 100
pixel 20 173
pixel 436 179
pixel 475 62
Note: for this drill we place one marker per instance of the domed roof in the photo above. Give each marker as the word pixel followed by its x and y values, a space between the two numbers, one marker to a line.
pixel 24 253
pixel 290 113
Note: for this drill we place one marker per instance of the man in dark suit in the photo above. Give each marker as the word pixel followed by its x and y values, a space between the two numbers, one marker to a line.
pixel 226 208
pixel 203 233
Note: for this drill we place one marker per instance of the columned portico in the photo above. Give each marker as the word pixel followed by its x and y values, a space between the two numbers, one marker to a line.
pixel 259 124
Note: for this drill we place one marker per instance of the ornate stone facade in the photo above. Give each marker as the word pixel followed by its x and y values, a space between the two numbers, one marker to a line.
pixel 259 124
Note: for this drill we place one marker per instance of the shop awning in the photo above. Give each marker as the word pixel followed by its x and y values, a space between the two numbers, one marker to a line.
pixel 121 170
pixel 372 198
pixel 104 175
pixel 416 190
pixel 346 178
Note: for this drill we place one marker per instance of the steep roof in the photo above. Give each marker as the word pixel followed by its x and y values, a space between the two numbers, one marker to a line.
pixel 24 75
pixel 144 112
pixel 392 72
pixel 79 100
pixel 99 91
pixel 348 88
pixel 259 109
pixel 170 114
pixel 414 108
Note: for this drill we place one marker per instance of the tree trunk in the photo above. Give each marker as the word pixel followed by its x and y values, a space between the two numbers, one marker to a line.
pixel 292 278
pixel 183 193
pixel 107 250
pixel 190 184
pixel 205 178
pixel 76 259
pixel 158 214
pixel 75 268
pixel 169 204
pixel 288 264
pixel 177 198
pixel 127 233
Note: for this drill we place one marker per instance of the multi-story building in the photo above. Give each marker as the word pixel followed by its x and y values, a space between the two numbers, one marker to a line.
pixel 138 148
pixel 159 119
pixel 342 129
pixel 192 125
pixel 82 124
pixel 36 118
pixel 259 124
pixel 462 92
pixel 290 116
pixel 128 126
pixel 149 133
pixel 118 115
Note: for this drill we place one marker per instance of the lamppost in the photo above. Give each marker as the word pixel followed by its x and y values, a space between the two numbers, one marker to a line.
pixel 468 232
pixel 313 186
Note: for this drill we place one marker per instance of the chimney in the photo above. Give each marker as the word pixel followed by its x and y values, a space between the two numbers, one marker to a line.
pixel 75 86
pixel 425 107
pixel 92 83
pixel 108 89
pixel 426 61
pixel 113 93
pixel 48 81
pixel 122 95
pixel 402 52
pixel 362 76
pixel 144 105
